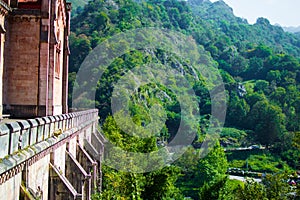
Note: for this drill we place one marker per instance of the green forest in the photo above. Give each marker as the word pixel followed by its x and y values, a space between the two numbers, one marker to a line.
pixel 260 67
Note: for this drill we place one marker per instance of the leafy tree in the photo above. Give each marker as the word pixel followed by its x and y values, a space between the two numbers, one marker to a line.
pixel 278 96
pixel 256 66
pixel 124 185
pixel 120 185
pixel 263 55
pixel 268 122
pixel 161 184
pixel 212 190
pixel 251 190
pixel 255 97
pixel 272 187
pixel 277 186
pixel 274 75
pixel 262 85
pixel 229 190
pixel 80 46
pixel 200 171
pixel 237 112
pixel 289 148
pixel 261 51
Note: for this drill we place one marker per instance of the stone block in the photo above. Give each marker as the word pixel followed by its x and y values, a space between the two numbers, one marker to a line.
pixel 61 122
pixel 25 133
pixel 28 153
pixel 11 189
pixel 7 163
pixel 59 158
pixel 48 119
pixel 15 136
pixel 57 121
pixel 40 121
pixel 51 125
pixel 52 119
pixel 4 140
pixel 69 121
pixel 40 129
pixel 39 147
pixel 18 158
pixel 38 175
pixel 33 131
pixel 64 116
pixel 76 119
pixel 47 127
pixel 64 122
pixel 51 141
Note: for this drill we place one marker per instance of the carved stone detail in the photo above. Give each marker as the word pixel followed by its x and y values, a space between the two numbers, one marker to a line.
pixel 11 173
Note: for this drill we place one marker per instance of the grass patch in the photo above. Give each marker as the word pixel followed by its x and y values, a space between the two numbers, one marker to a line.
pixel 261 163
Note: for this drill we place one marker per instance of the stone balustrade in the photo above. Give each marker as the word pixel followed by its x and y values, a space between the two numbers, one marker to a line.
pixel 54 157
pixel 18 135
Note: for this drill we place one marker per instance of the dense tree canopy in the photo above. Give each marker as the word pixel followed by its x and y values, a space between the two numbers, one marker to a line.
pixel 260 67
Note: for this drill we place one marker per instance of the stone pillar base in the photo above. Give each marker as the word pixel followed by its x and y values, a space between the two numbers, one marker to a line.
pixel 25 111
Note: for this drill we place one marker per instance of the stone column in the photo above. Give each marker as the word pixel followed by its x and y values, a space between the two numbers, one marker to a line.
pixel 66 60
pixel 44 58
pixel 1 72
pixel 3 13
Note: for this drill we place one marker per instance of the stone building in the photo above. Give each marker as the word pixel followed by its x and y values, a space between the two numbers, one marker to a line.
pixel 53 155
pixel 4 9
pixel 34 57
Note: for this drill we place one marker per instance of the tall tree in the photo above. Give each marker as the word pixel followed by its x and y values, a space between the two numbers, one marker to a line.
pixel 159 184
pixel 197 171
pixel 251 190
pixel 268 122
pixel 277 186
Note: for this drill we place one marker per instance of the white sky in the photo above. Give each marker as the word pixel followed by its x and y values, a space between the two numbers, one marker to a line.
pixel 283 12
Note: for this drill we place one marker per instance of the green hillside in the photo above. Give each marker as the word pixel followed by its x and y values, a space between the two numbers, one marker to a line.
pixel 259 65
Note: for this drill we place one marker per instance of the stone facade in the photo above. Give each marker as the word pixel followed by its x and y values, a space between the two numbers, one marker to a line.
pixel 59 166
pixel 36 58
pixel 54 155
pixel 4 9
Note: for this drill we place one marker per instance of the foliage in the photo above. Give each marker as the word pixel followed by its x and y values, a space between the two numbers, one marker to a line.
pixel 252 190
pixel 260 67
pixel 212 190
pixel 266 163
pixel 201 172
pixel 259 162
pixel 232 137
pixel 277 186
pixel 229 190
pixel 269 122
pixel 125 185
pixel 272 187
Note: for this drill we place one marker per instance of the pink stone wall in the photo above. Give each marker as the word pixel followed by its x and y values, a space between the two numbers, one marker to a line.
pixel 58 59
pixel 22 61
pixel 59 158
pixel 11 189
pixel 38 176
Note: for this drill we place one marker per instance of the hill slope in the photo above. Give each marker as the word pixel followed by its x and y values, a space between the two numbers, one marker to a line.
pixel 259 65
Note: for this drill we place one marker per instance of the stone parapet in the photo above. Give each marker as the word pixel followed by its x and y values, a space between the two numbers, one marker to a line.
pixel 4 140
pixel 16 136
pixel 55 157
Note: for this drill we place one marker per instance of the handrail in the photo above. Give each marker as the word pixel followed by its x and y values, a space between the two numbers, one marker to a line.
pixel 18 135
